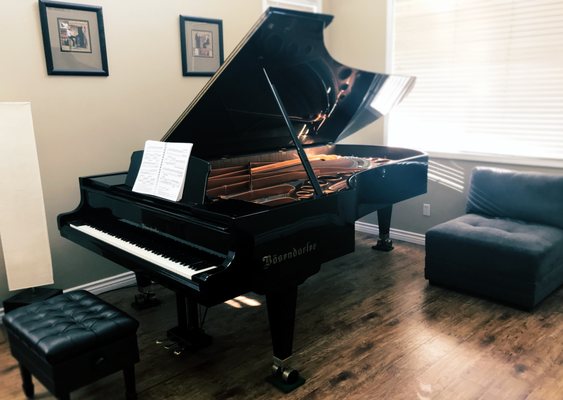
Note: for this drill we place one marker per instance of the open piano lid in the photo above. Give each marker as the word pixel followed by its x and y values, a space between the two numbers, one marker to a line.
pixel 236 112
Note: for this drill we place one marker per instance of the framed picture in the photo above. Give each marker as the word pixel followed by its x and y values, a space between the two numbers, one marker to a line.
pixel 202 45
pixel 73 38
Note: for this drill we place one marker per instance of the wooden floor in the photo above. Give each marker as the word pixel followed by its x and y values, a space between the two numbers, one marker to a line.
pixel 368 327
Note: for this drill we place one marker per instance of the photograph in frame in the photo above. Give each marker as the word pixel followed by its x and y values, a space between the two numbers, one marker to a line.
pixel 73 39
pixel 74 35
pixel 202 45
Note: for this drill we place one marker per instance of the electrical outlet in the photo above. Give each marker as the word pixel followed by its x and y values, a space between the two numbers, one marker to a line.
pixel 426 210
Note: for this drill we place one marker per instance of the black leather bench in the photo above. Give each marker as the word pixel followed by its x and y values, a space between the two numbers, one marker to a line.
pixel 72 340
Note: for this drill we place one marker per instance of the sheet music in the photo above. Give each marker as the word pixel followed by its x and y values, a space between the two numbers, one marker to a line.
pixel 163 169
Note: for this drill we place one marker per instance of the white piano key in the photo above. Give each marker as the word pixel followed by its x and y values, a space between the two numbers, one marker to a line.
pixel 150 256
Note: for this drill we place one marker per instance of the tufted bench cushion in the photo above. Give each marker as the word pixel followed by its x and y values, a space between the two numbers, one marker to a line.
pixel 69 325
pixel 71 340
pixel 510 260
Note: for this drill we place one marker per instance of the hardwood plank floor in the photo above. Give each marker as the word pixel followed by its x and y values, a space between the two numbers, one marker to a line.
pixel 368 327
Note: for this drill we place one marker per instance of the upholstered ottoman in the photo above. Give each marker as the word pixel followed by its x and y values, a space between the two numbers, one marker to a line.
pixel 506 260
pixel 509 245
pixel 72 340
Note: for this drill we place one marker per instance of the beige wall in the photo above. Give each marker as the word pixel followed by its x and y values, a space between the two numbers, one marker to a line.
pixel 90 125
pixel 357 37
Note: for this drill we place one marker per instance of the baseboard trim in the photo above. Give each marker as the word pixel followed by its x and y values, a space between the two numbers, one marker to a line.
pixel 101 286
pixel 398 234
pixel 107 284
pixel 128 278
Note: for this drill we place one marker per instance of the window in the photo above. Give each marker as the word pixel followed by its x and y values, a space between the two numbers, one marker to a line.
pixel 489 78
pixel 301 5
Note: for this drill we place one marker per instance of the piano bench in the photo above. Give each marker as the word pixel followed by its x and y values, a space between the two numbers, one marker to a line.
pixel 72 340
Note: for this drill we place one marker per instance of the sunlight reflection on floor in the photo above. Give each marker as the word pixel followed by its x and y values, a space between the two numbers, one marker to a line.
pixel 243 301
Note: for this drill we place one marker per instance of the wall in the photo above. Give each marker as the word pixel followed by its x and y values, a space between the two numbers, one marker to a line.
pixel 90 125
pixel 357 38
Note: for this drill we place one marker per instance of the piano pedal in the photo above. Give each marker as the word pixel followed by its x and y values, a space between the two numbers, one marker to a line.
pixel 170 346
pixel 190 339
pixel 167 343
pixel 178 350
pixel 164 342
pixel 178 341
pixel 173 347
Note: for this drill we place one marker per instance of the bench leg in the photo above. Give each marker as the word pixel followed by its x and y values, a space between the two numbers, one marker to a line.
pixel 27 383
pixel 129 376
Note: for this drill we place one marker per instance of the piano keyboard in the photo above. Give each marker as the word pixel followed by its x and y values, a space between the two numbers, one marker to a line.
pixel 187 270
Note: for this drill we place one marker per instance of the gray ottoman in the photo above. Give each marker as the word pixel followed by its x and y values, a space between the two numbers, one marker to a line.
pixel 509 245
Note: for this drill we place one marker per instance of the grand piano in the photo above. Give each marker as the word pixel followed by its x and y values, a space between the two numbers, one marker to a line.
pixel 270 194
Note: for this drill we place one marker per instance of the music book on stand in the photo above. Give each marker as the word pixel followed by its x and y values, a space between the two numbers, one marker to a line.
pixel 163 169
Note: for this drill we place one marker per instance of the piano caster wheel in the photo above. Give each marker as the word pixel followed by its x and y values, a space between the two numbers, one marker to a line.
pixel 287 375
pixel 290 376
pixel 276 369
pixel 285 379
pixel 383 245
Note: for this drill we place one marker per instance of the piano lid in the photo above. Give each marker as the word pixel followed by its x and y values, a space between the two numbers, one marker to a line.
pixel 236 112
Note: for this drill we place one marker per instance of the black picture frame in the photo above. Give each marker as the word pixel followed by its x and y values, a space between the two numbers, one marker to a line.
pixel 202 45
pixel 73 38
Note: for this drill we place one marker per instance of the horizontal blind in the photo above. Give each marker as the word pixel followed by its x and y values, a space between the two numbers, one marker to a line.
pixel 489 76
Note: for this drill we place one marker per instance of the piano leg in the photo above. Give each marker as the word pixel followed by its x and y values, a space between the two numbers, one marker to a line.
pixel 281 314
pixel 189 333
pixel 384 243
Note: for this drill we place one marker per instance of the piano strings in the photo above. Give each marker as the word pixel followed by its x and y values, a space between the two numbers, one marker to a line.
pixel 275 183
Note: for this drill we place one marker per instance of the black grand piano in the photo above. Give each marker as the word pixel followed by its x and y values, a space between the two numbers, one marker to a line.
pixel 270 195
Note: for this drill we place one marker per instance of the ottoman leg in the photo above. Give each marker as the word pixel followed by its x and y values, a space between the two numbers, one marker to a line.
pixel 129 376
pixel 27 383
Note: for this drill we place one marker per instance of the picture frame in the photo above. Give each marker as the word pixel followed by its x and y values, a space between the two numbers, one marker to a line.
pixel 202 45
pixel 73 38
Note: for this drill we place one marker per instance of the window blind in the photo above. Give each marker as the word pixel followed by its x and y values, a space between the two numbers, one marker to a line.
pixel 489 77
